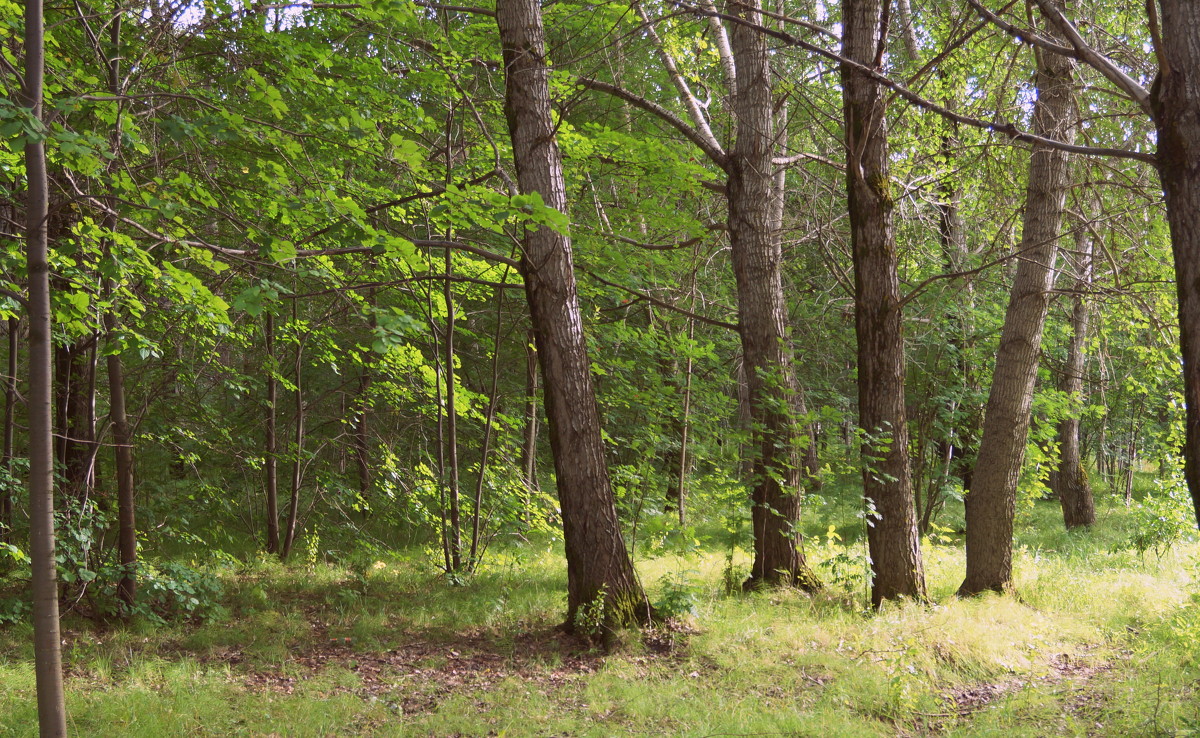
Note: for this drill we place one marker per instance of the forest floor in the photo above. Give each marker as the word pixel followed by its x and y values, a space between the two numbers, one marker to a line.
pixel 1098 642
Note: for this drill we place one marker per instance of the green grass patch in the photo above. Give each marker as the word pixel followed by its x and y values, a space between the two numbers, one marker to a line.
pixel 1097 641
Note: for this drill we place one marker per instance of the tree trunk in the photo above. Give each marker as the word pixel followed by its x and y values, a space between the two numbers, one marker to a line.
pixel 122 438
pixel 123 454
pixel 454 544
pixel 991 501
pixel 895 548
pixel 293 513
pixel 1176 103
pixel 52 715
pixel 74 379
pixel 529 447
pixel 1070 480
pixel 362 433
pixel 600 574
pixel 778 475
pixel 10 407
pixel 271 440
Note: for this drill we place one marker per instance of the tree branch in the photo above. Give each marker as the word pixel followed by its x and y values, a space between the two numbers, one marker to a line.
pixel 659 303
pixel 685 92
pixel 710 147
pixel 1024 35
pixel 783 161
pixel 1095 59
pixel 1004 128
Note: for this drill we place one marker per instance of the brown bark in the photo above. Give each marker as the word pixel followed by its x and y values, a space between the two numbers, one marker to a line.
pixel 778 475
pixel 1070 480
pixel 887 484
pixel 1175 100
pixel 992 499
pixel 599 569
pixel 52 716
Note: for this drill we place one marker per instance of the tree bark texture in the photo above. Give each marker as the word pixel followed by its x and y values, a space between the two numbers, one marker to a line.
pixel 893 542
pixel 778 473
pixel 992 499
pixel 599 569
pixel 52 717
pixel 1070 480
pixel 1176 103
pixel 293 511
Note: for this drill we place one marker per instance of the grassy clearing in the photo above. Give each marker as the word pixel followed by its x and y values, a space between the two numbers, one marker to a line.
pixel 1099 642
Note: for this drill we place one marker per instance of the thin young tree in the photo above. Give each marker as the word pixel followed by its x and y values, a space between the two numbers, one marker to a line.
pixel 52 715
pixel 1070 480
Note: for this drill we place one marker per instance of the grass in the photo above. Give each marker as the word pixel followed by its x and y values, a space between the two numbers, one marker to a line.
pixel 1099 641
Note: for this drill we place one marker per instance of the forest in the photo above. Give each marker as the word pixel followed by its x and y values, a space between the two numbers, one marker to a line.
pixel 645 367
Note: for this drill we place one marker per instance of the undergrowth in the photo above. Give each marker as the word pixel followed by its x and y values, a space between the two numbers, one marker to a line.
pixel 1099 640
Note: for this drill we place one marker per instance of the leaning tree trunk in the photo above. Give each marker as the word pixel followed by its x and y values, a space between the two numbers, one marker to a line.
pixel 1070 480
pixel 52 716
pixel 992 499
pixel 1176 104
pixel 599 570
pixel 887 483
pixel 778 474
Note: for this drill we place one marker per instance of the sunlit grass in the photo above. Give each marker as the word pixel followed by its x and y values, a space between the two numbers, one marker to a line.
pixel 1097 641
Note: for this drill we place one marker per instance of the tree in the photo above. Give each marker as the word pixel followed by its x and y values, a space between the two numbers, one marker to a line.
pixel 777 472
pixel 1070 480
pixel 52 716
pixel 599 571
pixel 1175 105
pixel 991 500
pixel 887 483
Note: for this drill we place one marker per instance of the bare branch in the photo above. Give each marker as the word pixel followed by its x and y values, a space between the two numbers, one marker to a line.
pixel 695 109
pixel 660 303
pixel 1024 35
pixel 783 161
pixel 1095 59
pixel 710 148
pixel 1001 127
